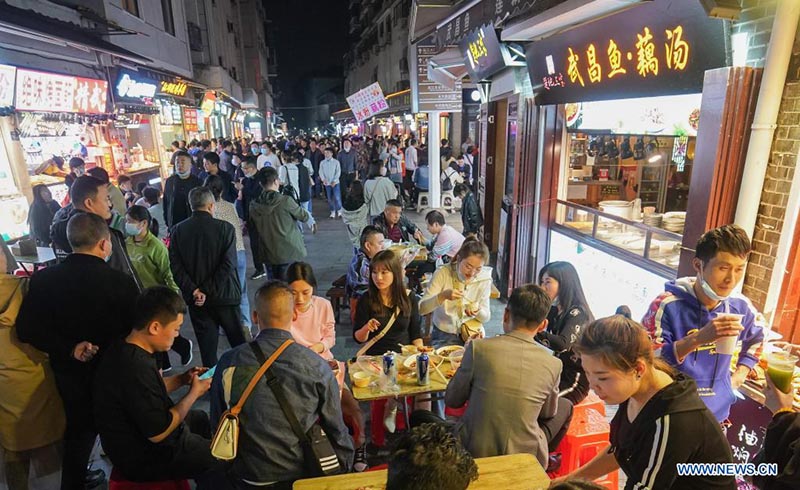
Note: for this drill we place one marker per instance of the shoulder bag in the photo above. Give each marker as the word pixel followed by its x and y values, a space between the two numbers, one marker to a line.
pixel 319 458
pixel 225 443
pixel 380 335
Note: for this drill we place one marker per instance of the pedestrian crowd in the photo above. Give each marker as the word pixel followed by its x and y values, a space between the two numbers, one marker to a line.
pixel 85 342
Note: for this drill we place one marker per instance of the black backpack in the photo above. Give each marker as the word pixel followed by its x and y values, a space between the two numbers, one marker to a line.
pixel 289 190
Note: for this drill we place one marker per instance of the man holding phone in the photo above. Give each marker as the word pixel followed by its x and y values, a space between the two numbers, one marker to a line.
pixel 146 435
pixel 696 322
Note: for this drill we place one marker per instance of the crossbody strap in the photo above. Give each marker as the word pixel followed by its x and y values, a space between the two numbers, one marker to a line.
pixel 380 335
pixel 257 377
pixel 280 395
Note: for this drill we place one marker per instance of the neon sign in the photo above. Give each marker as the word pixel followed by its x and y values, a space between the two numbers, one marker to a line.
pixel 134 89
pixel 483 53
pixel 48 92
pixel 658 48
pixel 176 88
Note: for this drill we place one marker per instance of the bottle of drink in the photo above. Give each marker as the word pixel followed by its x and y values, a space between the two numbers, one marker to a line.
pixel 423 371
pixel 389 371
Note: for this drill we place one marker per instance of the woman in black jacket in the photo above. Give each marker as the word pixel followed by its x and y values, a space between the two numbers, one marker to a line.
pixel 568 316
pixel 40 217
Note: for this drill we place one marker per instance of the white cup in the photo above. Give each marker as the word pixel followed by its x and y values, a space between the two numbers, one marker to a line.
pixel 726 345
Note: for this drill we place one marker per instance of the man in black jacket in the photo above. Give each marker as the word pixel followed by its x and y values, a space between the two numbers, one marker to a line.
pixel 202 256
pixel 471 216
pixel 90 195
pixel 176 190
pixel 73 312
pixel 393 224
pixel 211 166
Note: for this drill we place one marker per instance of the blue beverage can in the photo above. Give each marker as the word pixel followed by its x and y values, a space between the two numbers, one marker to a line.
pixel 389 368
pixel 423 371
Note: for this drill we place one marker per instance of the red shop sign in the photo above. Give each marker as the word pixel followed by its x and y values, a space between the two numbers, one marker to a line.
pixel 39 91
pixel 190 119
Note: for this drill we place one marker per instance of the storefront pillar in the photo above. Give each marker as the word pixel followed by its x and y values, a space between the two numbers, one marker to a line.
pixel 434 159
pixel 779 54
pixel 16 157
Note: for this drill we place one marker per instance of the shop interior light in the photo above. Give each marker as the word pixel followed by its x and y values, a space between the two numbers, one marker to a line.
pixel 654 158
pixel 475 95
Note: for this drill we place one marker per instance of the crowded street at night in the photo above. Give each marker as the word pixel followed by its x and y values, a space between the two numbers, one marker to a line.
pixel 399 245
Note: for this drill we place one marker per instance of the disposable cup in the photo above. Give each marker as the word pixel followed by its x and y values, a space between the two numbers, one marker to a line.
pixel 727 345
pixel 780 369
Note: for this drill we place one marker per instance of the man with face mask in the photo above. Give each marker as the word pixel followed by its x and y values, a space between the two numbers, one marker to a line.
pixel 176 189
pixel 268 158
pixel 695 315
pixel 73 311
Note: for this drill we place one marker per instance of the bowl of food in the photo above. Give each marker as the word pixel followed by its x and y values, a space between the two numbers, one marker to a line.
pixel 449 349
pixel 409 350
pixel 361 379
pixel 455 359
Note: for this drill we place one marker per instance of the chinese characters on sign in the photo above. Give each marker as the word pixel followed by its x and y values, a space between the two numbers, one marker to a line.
pixel 190 119
pixel 176 88
pixel 38 91
pixel 430 95
pixel 367 102
pixel 657 48
pixel 482 52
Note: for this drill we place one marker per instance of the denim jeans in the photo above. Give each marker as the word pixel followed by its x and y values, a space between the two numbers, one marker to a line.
pixel 334 197
pixel 442 339
pixel 307 206
pixel 241 268
pixel 277 272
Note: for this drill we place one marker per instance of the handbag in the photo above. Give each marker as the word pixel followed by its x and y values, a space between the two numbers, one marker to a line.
pixel 225 443
pixel 470 328
pixel 319 458
pixel 380 335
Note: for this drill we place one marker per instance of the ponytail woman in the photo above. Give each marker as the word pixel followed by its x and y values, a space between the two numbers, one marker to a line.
pixel 661 421
pixel 568 316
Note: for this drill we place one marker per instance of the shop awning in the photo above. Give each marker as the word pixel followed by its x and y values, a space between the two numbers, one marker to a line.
pixel 427 14
pixel 447 68
pixel 26 22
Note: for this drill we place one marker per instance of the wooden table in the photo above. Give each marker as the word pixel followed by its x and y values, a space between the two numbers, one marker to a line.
pixel 44 256
pixel 512 472
pixel 408 387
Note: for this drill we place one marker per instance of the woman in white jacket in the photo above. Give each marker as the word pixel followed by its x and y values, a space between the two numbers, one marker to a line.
pixel 378 189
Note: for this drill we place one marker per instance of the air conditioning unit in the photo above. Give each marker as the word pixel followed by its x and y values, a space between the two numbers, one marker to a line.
pixel 722 9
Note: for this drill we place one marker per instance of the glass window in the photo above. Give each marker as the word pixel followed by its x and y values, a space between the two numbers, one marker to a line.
pixel 169 18
pixel 131 6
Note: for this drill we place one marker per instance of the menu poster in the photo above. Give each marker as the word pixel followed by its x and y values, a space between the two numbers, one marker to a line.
pixel 190 119
pixel 7 76
pixel 48 92
pixel 367 102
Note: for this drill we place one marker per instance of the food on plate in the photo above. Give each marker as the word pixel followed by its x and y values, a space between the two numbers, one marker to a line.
pixel 426 348
pixel 449 350
pixel 408 350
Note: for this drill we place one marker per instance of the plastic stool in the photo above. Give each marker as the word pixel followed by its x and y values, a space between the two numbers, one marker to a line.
pixel 420 197
pixel 591 401
pixel 447 200
pixel 118 482
pixel 587 435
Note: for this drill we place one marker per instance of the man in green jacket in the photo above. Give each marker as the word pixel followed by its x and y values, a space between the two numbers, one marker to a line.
pixel 275 216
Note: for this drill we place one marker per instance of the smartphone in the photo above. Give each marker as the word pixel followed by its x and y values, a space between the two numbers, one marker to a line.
pixel 209 373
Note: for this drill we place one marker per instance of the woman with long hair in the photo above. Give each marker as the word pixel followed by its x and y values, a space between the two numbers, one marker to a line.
pixel 40 217
pixel 661 421
pixel 458 292
pixel 378 189
pixel 386 306
pixel 355 212
pixel 568 316
pixel 150 260
pixel 314 325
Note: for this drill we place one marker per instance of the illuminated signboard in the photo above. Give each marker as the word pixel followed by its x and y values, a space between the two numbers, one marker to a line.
pixel 209 99
pixel 131 87
pixel 190 119
pixel 175 87
pixel 659 48
pixel 48 92
pixel 482 52
pixel 367 102
pixel 7 77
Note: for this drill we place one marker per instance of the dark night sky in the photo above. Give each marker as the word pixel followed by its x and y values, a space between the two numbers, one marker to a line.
pixel 310 37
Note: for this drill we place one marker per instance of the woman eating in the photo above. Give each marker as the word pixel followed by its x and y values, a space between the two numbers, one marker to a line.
pixel 458 292
pixel 387 316
pixel 661 421
pixel 314 325
pixel 568 316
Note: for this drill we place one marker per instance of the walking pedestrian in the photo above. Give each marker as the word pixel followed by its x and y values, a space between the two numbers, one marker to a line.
pixel 330 171
pixel 177 187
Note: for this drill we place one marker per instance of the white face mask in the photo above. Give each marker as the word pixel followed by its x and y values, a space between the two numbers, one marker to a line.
pixel 708 290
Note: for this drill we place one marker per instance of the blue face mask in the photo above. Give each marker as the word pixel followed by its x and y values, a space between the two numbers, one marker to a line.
pixel 132 229
pixel 254 150
pixel 264 151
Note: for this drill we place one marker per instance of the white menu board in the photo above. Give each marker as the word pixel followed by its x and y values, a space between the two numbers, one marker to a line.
pixel 367 102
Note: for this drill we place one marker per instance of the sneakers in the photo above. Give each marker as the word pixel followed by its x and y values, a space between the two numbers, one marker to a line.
pixel 186 357
pixel 338 214
pixel 360 459
pixel 333 214
pixel 258 275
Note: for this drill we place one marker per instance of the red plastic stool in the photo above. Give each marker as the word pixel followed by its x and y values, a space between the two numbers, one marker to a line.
pixel 118 482
pixel 587 435
pixel 591 401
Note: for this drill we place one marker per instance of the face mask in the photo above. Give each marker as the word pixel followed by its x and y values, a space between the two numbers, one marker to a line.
pixel 708 291
pixel 108 257
pixel 183 175
pixel 383 171
pixel 132 229
pixel 254 150
pixel 79 171
pixel 250 175
pixel 264 151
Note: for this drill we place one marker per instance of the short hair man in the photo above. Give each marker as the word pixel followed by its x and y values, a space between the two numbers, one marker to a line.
pixel 115 194
pixel 177 187
pixel 693 313
pixel 446 240
pixel 267 158
pixel 276 217
pixel 471 217
pixel 503 418
pixel 269 450
pixel 202 256
pixel 371 241
pixel 146 435
pixel 90 195
pixel 212 165
pixel 430 457
pixel 226 157
pixel 74 311
pixel 393 224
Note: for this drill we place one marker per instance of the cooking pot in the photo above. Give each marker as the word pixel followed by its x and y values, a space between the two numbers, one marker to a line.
pixel 623 209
